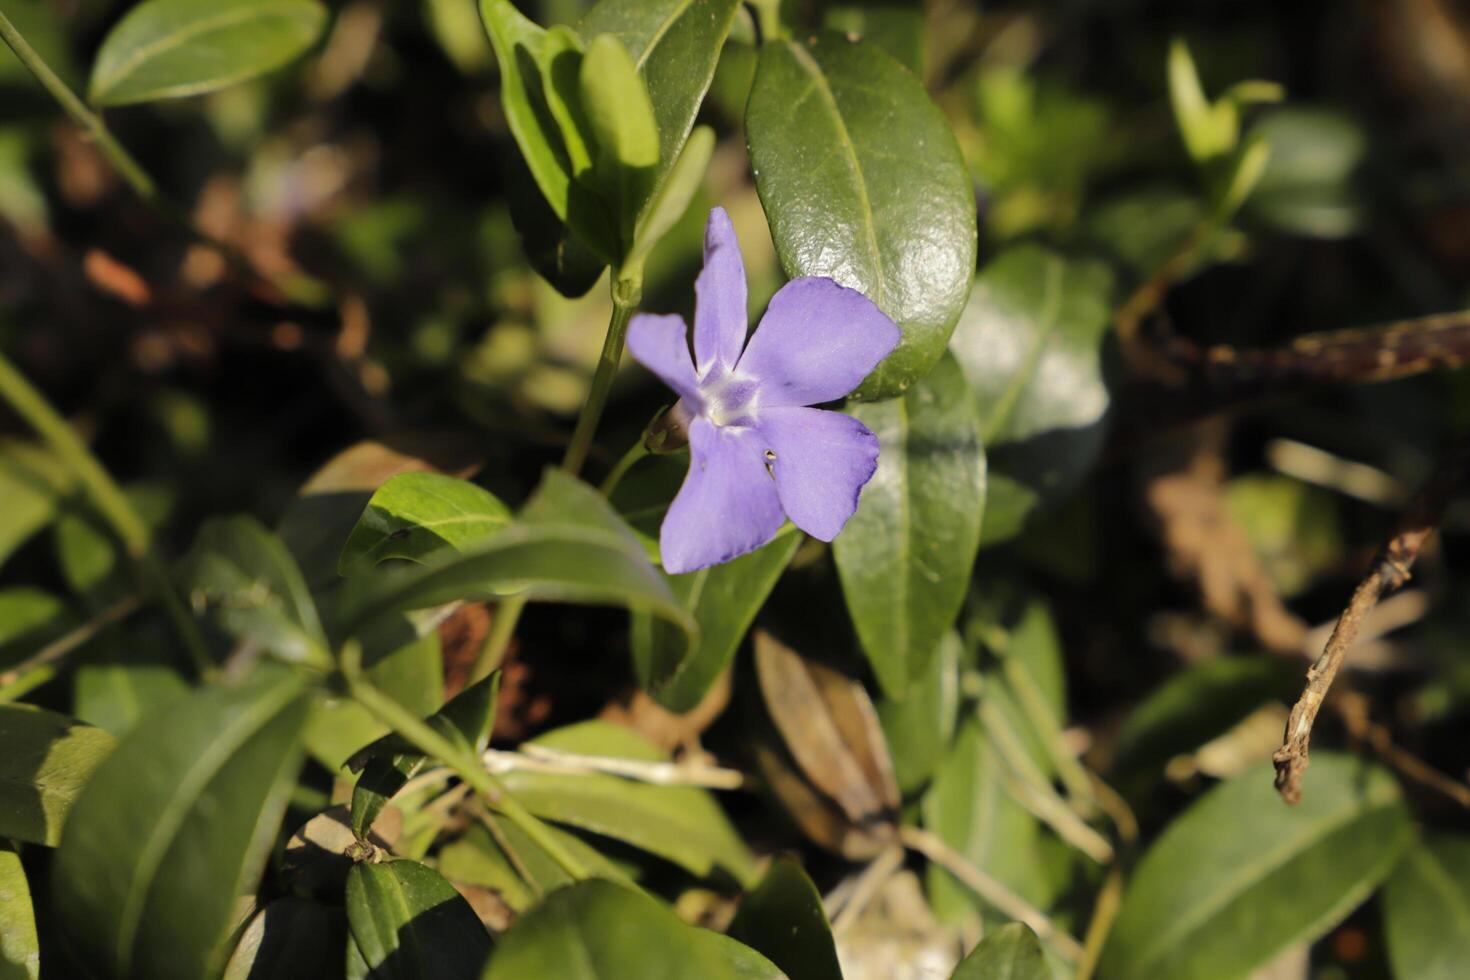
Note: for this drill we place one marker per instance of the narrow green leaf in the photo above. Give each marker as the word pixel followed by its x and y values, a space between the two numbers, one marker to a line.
pixel 784 920
pixel 724 600
pixel 1011 952
pixel 674 197
pixel 47 761
pixel 676 45
pixel 620 115
pixel 29 618
pixel 291 939
pixel 905 557
pixel 408 923
pixel 682 824
pixel 257 591
pixel 1239 862
pixel 1030 345
pixel 919 725
pixel 168 49
pixel 568 546
pixel 32 483
pixel 862 181
pixel 20 949
pixel 516 867
pixel 596 930
pixel 419 515
pixel 1426 910
pixel 1207 132
pixel 175 826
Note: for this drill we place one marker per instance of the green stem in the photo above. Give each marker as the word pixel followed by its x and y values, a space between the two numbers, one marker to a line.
pixel 630 458
pixel 107 497
pixel 502 629
pixel 117 155
pixel 627 291
pixel 466 766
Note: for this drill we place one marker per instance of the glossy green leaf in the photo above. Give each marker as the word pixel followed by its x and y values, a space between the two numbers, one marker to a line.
pixel 392 761
pixel 620 116
pixel 682 824
pixel 291 939
pixel 168 49
pixel 596 930
pixel 46 763
pixel 1030 345
pixel 1240 862
pixel 408 923
pixel 862 181
pixel 177 824
pixel 783 918
pixel 1426 910
pixel 970 806
pixel 568 546
pixel 257 592
pixel 723 600
pixel 32 484
pixel 905 557
pixel 919 726
pixel 419 515
pixel 1011 952
pixel 675 45
pixel 20 949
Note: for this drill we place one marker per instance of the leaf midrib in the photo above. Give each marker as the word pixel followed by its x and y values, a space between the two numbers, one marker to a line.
pixel 204 25
pixel 196 778
pixel 844 142
pixel 1250 874
pixel 658 35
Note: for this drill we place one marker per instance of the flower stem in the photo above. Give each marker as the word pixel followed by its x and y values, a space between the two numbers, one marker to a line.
pixel 466 766
pixel 111 503
pixel 627 291
pixel 629 460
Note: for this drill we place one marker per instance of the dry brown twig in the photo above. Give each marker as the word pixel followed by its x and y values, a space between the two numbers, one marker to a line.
pixel 1391 570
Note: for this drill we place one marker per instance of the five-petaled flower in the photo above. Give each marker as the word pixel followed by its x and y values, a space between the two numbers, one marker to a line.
pixel 758 453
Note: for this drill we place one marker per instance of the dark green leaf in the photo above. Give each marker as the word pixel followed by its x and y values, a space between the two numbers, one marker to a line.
pixel 905 556
pixel 783 918
pixel 1240 862
pixel 419 515
pixel 408 923
pixel 596 930
pixel 168 49
pixel 970 806
pixel 723 600
pixel 862 181
pixel 392 761
pixel 175 826
pixel 569 546
pixel 246 574
pixel 1030 344
pixel 291 939
pixel 20 949
pixel 676 45
pixel 47 760
pixel 1011 952
pixel 682 824
pixel 620 118
pixel 1426 910
pixel 515 866
pixel 918 727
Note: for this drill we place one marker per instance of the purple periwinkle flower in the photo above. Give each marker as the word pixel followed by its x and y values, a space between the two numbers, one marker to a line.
pixel 757 453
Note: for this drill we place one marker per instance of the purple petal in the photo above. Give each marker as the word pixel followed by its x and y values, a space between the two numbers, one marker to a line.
pixel 727 505
pixel 822 459
pixel 661 344
pixel 816 343
pixel 720 319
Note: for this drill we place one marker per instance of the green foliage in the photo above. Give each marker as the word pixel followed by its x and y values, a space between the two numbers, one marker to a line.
pixel 48 760
pixel 907 552
pixel 1012 952
pixel 782 917
pixel 418 515
pixel 833 128
pixel 169 49
pixel 405 920
pixel 20 950
pixel 1426 909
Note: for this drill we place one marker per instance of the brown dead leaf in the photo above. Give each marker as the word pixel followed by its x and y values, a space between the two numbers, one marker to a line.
pixel 116 279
